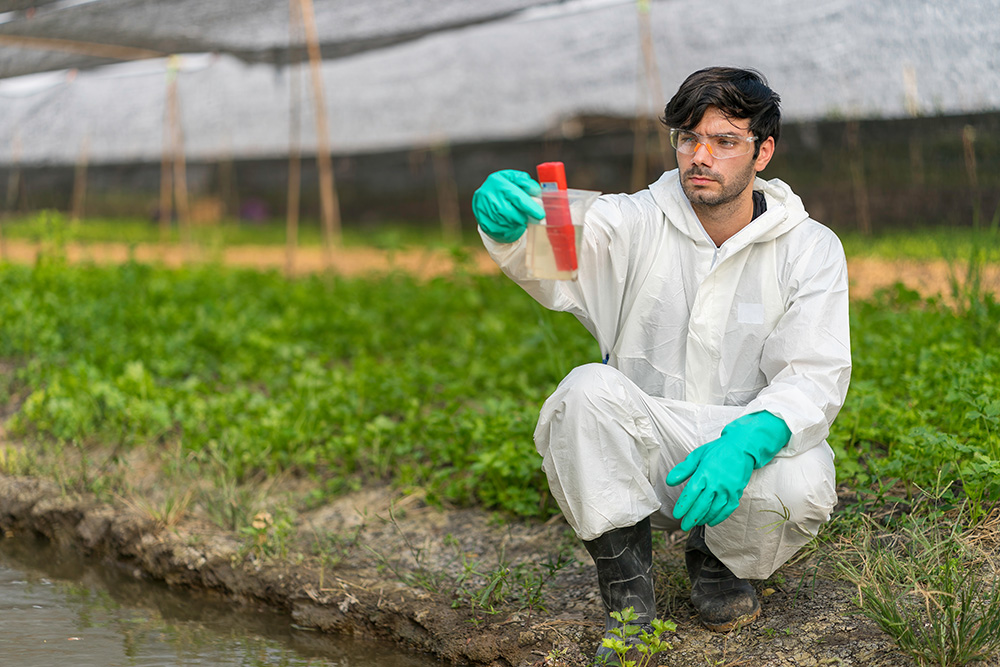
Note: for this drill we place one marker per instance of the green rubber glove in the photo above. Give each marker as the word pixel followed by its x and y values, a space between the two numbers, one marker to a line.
pixel 720 470
pixel 503 203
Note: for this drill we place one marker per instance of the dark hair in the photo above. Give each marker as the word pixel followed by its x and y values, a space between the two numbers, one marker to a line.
pixel 737 93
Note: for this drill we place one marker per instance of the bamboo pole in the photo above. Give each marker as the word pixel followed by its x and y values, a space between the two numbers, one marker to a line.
pixel 653 86
pixel 166 170
pixel 14 177
pixel 917 160
pixel 110 51
pixel 447 191
pixel 13 184
pixel 80 180
pixel 295 30
pixel 327 187
pixel 226 189
pixel 179 163
pixel 969 153
pixel 857 167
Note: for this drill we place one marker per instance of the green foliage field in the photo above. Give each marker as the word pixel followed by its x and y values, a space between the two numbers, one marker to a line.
pixel 424 383
pixel 431 384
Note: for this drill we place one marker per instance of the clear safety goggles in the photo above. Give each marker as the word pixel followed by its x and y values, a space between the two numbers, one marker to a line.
pixel 721 146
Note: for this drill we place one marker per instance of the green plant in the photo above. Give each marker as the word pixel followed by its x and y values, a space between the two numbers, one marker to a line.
pixel 332 549
pixel 518 585
pixel 15 461
pixel 268 535
pixel 167 513
pixel 420 575
pixel 421 384
pixel 635 637
pixel 930 591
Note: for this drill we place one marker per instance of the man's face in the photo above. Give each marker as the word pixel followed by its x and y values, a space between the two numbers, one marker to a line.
pixel 710 181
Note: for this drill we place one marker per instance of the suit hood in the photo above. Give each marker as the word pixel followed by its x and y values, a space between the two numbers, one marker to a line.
pixel 784 211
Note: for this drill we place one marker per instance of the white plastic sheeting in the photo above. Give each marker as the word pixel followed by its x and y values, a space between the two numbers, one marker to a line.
pixel 513 77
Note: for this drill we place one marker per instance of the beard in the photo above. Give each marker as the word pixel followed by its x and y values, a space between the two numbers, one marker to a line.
pixel 729 189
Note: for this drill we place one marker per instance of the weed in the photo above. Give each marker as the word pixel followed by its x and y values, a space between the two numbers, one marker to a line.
pixel 332 549
pixel 629 637
pixel 517 585
pixel 15 461
pixel 167 514
pixel 935 595
pixel 268 535
pixel 421 575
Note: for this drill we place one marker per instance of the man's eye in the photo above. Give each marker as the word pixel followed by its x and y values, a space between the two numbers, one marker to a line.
pixel 726 142
pixel 687 138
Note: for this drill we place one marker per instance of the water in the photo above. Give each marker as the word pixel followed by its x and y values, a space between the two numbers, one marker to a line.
pixel 59 610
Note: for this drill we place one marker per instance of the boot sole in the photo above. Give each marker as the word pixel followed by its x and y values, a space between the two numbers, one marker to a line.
pixel 738 622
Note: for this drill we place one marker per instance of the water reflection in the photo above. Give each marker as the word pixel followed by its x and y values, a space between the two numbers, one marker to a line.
pixel 57 609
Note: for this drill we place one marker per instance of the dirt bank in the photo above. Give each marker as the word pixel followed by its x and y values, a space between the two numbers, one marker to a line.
pixel 391 566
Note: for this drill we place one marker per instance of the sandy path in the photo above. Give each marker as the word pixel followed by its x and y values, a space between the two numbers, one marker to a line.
pixel 867 274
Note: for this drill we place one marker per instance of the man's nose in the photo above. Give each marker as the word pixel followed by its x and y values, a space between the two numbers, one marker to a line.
pixel 703 153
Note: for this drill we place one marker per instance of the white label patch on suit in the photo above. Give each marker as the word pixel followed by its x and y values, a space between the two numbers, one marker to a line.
pixel 750 313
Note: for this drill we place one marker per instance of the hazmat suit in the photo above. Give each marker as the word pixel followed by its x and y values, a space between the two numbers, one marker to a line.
pixel 694 336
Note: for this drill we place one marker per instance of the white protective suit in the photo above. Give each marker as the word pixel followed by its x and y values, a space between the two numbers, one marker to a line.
pixel 695 336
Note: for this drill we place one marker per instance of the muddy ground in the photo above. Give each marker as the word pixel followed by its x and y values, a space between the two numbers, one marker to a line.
pixel 394 564
pixel 378 563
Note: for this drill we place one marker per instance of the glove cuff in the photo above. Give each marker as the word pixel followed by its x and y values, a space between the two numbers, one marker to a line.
pixel 763 434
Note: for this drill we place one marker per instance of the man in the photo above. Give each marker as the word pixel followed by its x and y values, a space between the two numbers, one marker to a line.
pixel 721 310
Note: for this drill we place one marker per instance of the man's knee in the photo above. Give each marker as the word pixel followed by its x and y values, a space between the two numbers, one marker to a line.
pixel 590 383
pixel 587 391
pixel 584 395
pixel 804 487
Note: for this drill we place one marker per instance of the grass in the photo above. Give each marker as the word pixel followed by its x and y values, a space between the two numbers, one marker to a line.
pixel 971 246
pixel 45 226
pixel 930 243
pixel 928 586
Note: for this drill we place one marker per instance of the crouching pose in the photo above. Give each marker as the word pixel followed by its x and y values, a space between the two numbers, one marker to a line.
pixel 721 311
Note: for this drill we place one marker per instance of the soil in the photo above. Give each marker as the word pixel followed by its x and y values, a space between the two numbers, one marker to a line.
pixel 392 564
pixel 378 563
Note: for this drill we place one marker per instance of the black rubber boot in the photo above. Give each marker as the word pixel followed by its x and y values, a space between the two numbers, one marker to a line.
pixel 724 601
pixel 624 561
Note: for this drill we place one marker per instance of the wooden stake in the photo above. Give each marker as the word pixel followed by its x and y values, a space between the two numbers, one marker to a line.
pixel 166 173
pixel 14 177
pixel 327 188
pixel 916 160
pixel 858 178
pixel 180 166
pixel 639 153
pixel 295 30
pixel 653 86
pixel 80 181
pixel 110 51
pixel 447 190
pixel 226 188
pixel 969 152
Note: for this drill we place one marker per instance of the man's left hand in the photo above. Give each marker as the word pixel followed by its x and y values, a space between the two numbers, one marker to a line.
pixel 719 471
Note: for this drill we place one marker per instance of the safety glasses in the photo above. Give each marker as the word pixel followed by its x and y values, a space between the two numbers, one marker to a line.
pixel 721 146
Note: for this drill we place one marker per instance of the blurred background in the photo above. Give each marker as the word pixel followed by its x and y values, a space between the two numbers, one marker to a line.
pixel 390 113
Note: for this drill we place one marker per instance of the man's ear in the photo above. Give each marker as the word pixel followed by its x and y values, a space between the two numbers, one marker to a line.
pixel 765 153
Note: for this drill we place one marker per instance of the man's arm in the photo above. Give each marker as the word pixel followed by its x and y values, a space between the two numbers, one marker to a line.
pixel 807 358
pixel 606 258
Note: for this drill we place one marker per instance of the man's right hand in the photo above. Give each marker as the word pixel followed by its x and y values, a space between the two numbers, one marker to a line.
pixel 504 202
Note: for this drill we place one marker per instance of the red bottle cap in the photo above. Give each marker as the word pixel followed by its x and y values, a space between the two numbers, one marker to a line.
pixel 552 172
